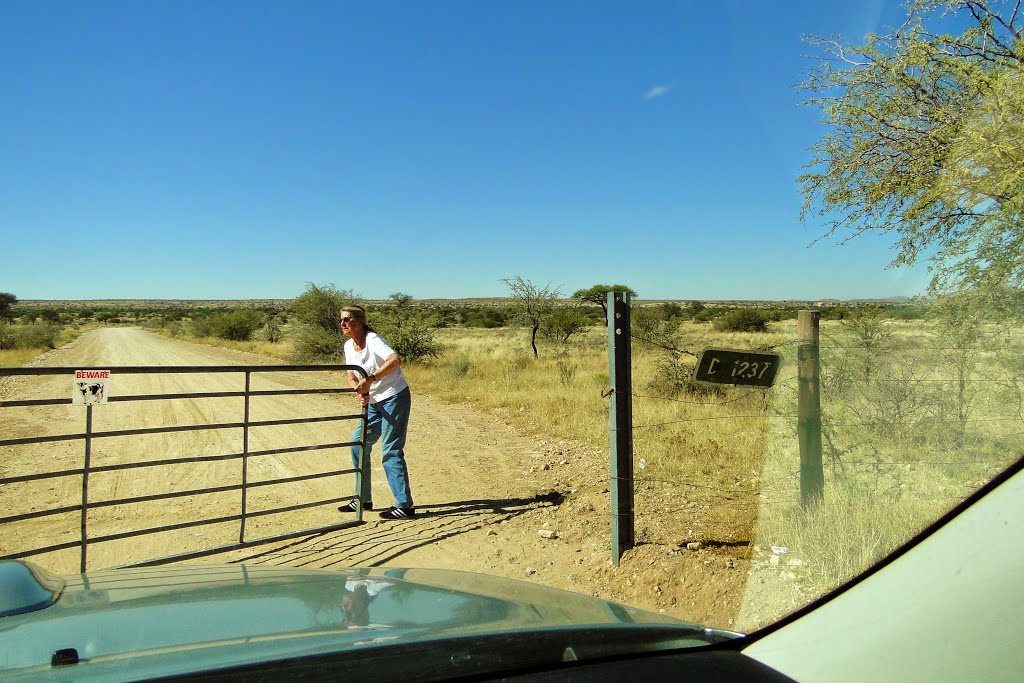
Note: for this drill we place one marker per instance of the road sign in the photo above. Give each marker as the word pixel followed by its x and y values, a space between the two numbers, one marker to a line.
pixel 90 386
pixel 744 368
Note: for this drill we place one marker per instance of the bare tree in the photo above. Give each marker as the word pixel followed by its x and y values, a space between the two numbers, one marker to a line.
pixel 533 304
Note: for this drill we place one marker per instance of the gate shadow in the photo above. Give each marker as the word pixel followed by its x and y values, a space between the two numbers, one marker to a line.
pixel 377 542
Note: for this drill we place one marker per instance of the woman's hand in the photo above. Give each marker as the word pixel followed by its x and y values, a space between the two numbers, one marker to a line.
pixel 363 387
pixel 364 399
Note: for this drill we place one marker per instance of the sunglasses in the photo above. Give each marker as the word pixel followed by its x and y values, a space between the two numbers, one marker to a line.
pixel 343 321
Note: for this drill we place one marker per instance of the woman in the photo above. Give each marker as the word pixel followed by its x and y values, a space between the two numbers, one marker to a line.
pixel 387 398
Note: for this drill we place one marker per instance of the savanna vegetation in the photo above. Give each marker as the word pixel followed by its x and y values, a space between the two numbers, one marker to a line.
pixel 921 400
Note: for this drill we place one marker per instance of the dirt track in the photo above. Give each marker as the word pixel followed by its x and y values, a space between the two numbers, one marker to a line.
pixel 484 492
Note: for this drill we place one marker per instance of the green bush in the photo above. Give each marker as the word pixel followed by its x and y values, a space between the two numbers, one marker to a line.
pixel 459 366
pixel 237 325
pixel 907 312
pixel 743 320
pixel 40 335
pixel 705 315
pixel 311 344
pixel 273 329
pixel 315 312
pixel 409 334
pixel 488 317
pixel 562 323
pixel 8 338
pixel 319 306
pixel 201 326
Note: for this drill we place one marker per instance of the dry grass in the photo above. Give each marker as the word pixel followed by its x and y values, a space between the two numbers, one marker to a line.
pixel 737 450
pixel 894 458
pixel 14 358
pixel 735 453
pixel 561 394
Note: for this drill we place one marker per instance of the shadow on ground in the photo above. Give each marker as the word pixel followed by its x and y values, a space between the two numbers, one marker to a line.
pixel 377 542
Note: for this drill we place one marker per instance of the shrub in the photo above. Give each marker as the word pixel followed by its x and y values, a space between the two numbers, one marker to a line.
pixel 459 366
pixel 319 306
pixel 201 326
pixel 705 315
pixel 647 326
pixel 312 344
pixel 273 329
pixel 236 326
pixel 409 334
pixel 40 335
pixel 566 372
pixel 315 311
pixel 743 320
pixel 8 339
pixel 562 323
pixel 488 318
pixel 674 376
pixel 907 313
pixel 670 310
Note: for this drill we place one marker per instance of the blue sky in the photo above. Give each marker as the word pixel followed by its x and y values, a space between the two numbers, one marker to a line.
pixel 235 150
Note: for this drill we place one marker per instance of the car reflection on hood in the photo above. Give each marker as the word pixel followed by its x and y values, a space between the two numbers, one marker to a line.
pixel 416 623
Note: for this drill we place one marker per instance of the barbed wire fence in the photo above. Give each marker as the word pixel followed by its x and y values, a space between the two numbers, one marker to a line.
pixel 868 432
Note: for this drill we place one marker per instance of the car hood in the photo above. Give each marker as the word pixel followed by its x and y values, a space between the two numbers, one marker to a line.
pixel 146 622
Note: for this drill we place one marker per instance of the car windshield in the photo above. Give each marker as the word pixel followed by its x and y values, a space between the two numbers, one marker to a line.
pixel 691 311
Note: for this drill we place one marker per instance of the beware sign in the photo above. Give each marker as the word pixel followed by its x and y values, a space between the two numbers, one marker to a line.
pixel 90 386
pixel 746 368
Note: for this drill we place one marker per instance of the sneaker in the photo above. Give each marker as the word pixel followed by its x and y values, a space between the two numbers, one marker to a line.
pixel 394 512
pixel 351 506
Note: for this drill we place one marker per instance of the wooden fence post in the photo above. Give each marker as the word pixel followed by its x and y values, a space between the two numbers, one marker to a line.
pixel 620 416
pixel 812 476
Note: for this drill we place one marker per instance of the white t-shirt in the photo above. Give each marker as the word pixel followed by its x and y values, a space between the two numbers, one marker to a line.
pixel 373 355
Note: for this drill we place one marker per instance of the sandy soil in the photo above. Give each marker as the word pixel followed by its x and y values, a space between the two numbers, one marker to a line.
pixel 490 499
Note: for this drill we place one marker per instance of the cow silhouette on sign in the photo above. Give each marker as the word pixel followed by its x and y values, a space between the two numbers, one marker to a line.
pixel 92 392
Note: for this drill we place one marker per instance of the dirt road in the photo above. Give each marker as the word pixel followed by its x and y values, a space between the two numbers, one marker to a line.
pixel 484 492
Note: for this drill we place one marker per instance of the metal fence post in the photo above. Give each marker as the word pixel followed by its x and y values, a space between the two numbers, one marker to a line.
pixel 245 457
pixel 620 416
pixel 85 485
pixel 812 476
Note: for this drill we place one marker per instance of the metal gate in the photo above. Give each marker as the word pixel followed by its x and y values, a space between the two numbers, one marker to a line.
pixel 242 486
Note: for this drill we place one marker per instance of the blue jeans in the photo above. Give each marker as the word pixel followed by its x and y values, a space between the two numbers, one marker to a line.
pixel 387 420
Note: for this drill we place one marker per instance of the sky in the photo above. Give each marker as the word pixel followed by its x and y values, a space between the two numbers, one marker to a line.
pixel 233 149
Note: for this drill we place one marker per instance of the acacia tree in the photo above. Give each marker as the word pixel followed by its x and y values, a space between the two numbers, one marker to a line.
pixel 532 304
pixel 598 294
pixel 926 140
